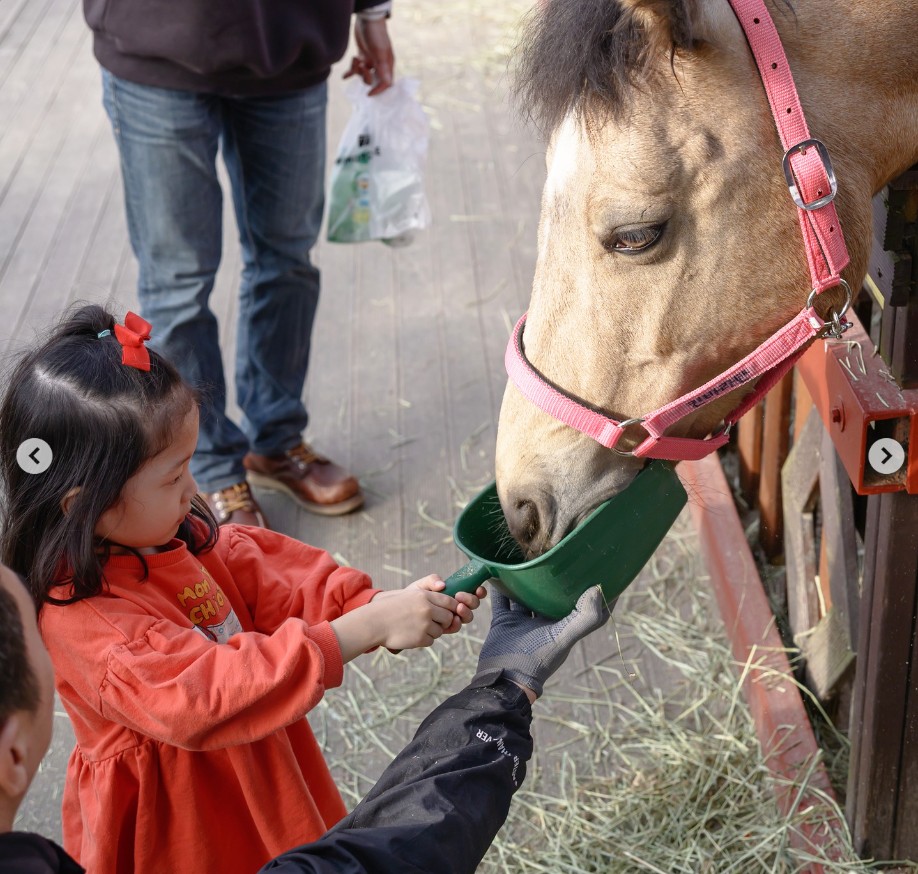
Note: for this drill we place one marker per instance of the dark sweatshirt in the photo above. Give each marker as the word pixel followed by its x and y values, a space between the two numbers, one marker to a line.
pixel 227 47
pixel 25 853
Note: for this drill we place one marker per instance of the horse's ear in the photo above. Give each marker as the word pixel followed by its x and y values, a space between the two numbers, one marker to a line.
pixel 667 24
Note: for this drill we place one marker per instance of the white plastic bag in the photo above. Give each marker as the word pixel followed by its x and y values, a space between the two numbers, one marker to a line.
pixel 376 189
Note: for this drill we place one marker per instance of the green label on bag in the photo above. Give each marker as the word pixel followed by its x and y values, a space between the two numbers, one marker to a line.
pixel 349 199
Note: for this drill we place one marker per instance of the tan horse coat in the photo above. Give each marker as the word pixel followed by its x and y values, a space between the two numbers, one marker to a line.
pixel 692 166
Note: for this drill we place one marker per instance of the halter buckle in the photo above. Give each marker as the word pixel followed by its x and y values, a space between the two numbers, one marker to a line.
pixel 823 153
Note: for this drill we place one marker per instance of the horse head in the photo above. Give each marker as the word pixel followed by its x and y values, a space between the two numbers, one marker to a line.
pixel 669 247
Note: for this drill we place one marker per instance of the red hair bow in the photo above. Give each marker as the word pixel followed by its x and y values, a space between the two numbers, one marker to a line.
pixel 132 335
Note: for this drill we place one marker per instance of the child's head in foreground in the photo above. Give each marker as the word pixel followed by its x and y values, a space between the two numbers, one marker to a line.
pixel 122 426
pixel 26 696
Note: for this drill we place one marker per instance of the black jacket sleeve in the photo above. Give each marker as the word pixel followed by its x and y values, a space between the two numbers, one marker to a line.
pixel 440 803
pixel 27 853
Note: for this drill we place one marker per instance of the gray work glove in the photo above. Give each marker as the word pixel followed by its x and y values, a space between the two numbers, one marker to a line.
pixel 528 647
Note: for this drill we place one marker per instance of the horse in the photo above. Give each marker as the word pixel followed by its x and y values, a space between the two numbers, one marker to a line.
pixel 668 244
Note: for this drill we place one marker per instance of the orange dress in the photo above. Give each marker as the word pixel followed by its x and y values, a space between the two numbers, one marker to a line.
pixel 188 691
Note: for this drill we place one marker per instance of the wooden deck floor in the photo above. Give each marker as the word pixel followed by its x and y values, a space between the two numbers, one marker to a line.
pixel 407 375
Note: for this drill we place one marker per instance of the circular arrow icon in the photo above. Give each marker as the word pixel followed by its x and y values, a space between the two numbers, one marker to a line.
pixel 34 455
pixel 886 455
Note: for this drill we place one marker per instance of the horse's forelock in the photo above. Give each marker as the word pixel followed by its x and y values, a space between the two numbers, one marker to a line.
pixel 584 56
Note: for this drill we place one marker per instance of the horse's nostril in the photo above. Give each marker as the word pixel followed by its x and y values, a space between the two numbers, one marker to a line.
pixel 528 523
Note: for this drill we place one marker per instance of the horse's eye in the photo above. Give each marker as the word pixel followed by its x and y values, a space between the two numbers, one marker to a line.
pixel 630 241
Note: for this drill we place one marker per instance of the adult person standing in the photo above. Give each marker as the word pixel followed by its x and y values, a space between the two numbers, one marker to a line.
pixel 183 79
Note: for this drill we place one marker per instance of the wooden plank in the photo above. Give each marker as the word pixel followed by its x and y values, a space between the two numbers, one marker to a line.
pixel 839 537
pixel 906 843
pixel 472 279
pixel 776 440
pixel 54 274
pixel 44 177
pixel 823 573
pixel 124 280
pixel 18 19
pixel 799 478
pixel 882 686
pixel 506 287
pixel 827 655
pixel 881 266
pixel 819 629
pixel 33 82
pixel 749 447
pixel 900 237
pixel 108 237
pixel 440 356
pixel 23 29
pixel 905 355
pixel 888 318
pixel 487 224
pixel 520 159
pixel 803 403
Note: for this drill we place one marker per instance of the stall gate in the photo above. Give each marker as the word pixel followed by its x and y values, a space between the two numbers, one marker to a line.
pixel 831 461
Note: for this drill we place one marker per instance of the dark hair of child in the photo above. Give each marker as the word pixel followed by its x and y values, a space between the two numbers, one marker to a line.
pixel 18 684
pixel 103 420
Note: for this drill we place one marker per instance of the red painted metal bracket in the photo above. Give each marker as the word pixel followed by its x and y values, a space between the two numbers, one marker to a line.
pixel 861 404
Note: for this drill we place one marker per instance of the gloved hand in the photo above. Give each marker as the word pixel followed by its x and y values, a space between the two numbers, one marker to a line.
pixel 528 647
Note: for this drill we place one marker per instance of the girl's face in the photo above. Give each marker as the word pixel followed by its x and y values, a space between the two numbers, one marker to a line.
pixel 156 499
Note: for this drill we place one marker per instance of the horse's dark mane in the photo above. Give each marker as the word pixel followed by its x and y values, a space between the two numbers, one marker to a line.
pixel 575 55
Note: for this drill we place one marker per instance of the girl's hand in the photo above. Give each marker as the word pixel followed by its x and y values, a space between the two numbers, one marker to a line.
pixel 466 602
pixel 416 615
pixel 406 618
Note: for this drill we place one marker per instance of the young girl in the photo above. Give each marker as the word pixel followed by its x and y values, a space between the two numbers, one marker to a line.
pixel 186 657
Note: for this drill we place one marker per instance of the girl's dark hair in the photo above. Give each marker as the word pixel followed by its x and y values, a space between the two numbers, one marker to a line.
pixel 103 420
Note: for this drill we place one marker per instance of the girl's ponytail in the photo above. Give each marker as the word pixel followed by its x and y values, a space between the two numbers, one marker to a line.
pixel 87 321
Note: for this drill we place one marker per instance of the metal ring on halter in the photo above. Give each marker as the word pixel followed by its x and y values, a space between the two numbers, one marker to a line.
pixel 844 309
pixel 628 453
pixel 723 430
pixel 834 327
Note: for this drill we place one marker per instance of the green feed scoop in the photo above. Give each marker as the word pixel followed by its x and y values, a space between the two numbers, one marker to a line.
pixel 609 547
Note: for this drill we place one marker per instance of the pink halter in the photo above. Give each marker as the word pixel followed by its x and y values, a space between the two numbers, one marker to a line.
pixel 811 182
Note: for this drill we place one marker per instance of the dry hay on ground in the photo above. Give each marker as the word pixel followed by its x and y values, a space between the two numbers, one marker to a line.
pixel 627 776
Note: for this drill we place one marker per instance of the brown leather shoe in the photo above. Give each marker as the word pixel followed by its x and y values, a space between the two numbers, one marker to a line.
pixel 314 482
pixel 236 504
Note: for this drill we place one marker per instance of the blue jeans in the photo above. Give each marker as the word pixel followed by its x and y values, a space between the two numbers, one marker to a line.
pixel 274 151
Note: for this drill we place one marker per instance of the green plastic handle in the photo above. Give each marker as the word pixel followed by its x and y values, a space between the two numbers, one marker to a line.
pixel 468 578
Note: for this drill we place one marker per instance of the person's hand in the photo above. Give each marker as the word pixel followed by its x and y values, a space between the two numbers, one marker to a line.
pixel 405 618
pixel 375 61
pixel 528 647
pixel 467 602
pixel 416 615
